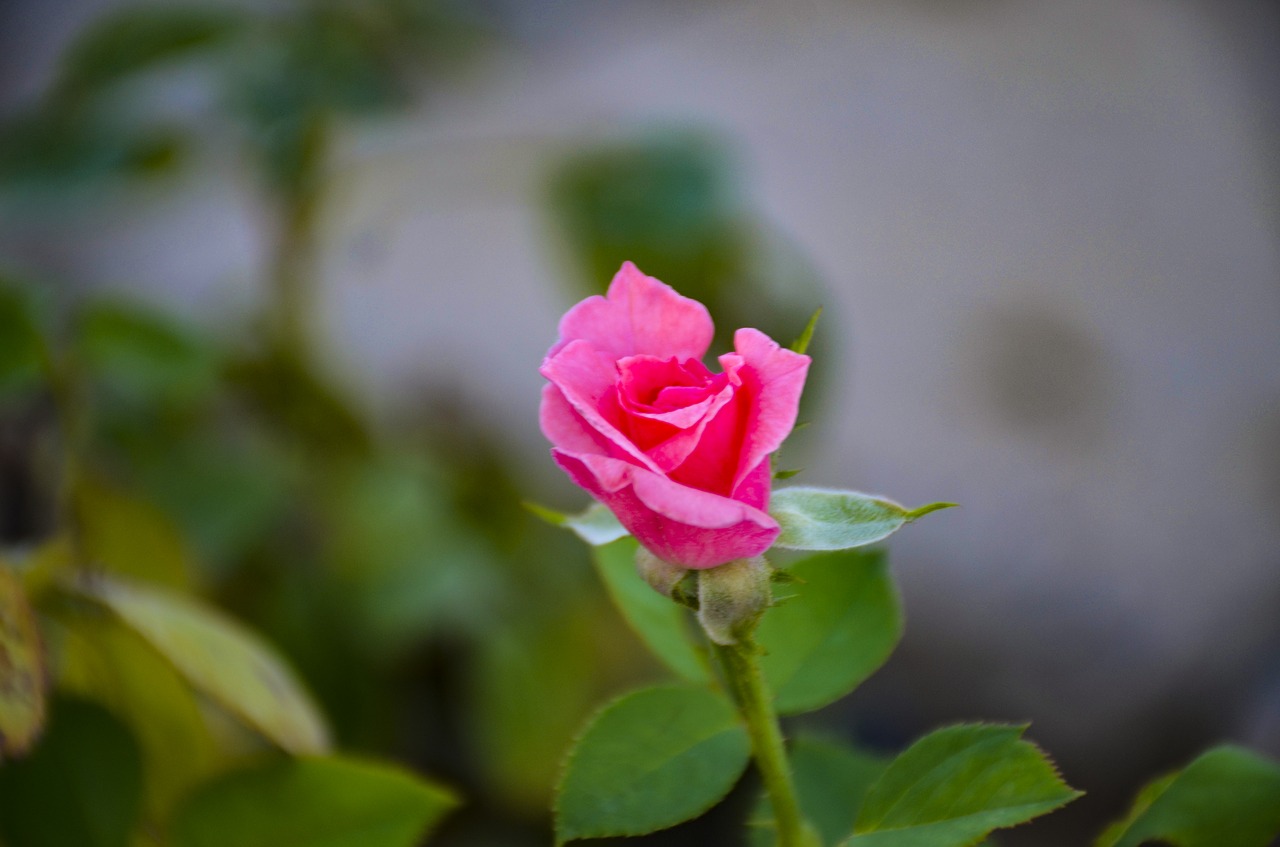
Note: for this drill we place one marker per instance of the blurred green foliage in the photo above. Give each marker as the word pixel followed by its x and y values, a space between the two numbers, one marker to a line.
pixel 81 785
pixel 23 679
pixel 196 468
pixel 203 475
pixel 232 536
pixel 312 802
pixel 19 339
pixel 204 471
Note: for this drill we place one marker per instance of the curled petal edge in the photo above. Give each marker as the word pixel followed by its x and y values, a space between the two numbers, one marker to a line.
pixel 681 525
pixel 639 315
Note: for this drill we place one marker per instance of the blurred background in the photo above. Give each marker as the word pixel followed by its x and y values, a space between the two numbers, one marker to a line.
pixel 305 258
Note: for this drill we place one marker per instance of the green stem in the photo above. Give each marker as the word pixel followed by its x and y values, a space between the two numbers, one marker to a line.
pixel 742 671
pixel 297 204
pixel 71 411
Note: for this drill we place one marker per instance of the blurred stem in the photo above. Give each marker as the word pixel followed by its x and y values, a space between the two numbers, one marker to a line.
pixel 742 672
pixel 293 264
pixel 72 411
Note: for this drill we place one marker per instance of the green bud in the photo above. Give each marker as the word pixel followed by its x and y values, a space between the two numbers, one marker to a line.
pixel 659 573
pixel 732 597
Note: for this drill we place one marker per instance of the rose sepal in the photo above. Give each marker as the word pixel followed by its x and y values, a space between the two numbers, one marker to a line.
pixel 595 524
pixel 830 519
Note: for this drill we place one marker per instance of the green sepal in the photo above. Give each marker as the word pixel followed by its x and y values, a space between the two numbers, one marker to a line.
pixel 663 625
pixel 595 525
pixel 801 344
pixel 661 575
pixel 827 519
pixel 732 597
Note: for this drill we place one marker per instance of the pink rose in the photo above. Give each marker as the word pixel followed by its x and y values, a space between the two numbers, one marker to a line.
pixel 678 452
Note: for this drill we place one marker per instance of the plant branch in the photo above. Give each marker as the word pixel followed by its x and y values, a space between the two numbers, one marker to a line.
pixel 742 671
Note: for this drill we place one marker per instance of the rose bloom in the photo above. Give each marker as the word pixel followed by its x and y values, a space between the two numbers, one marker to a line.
pixel 678 452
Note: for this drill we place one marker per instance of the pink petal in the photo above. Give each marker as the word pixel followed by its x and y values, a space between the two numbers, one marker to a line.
pixel 564 427
pixel 686 417
pixel 711 462
pixel 681 525
pixel 777 377
pixel 754 489
pixel 643 379
pixel 676 450
pixel 584 377
pixel 639 315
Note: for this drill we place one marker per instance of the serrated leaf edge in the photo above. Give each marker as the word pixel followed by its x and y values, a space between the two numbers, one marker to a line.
pixel 590 723
pixel 1074 793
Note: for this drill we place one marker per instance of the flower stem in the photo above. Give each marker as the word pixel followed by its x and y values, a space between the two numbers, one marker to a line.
pixel 742 671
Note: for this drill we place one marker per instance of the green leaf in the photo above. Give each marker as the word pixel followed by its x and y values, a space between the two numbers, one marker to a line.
pixel 1228 797
pixel 541 671
pixel 824 519
pixel 331 801
pixel 955 785
pixel 129 536
pixel 143 355
pixel 831 779
pixel 661 623
pixel 650 760
pixel 407 569
pixel 595 525
pixel 223 493
pixel 801 344
pixel 838 629
pixel 23 676
pixel 43 566
pixel 80 786
pixel 132 40
pixel 58 151
pixel 292 398
pixel 220 658
pixel 105 661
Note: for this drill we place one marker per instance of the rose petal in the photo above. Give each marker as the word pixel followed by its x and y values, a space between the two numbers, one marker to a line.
pixel 641 379
pixel 681 525
pixel 676 450
pixel 564 427
pixel 584 377
pixel 776 376
pixel 754 489
pixel 710 460
pixel 639 315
